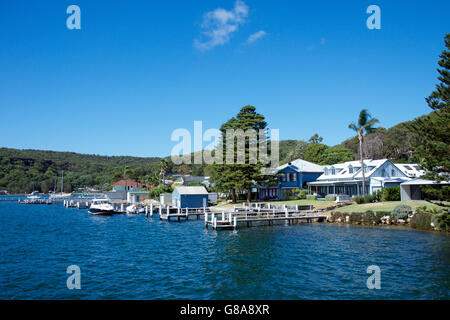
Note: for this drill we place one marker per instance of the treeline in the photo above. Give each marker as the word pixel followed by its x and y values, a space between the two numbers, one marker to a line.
pixel 29 170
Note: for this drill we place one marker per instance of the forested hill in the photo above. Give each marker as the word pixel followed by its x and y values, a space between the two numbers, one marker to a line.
pixel 28 170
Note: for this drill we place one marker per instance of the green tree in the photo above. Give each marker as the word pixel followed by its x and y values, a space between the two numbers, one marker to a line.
pixel 434 128
pixel 233 176
pixel 336 154
pixel 364 126
pixel 315 139
pixel 314 152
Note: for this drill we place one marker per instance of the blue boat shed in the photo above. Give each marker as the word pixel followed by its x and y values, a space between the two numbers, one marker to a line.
pixel 190 197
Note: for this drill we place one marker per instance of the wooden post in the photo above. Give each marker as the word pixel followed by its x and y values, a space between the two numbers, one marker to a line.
pixel 121 207
pixel 223 215
pixel 160 209
pixel 230 217
pixel 214 223
pixel 235 222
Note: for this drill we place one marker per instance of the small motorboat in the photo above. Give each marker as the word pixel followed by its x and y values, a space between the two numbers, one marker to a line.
pixel 134 209
pixel 101 207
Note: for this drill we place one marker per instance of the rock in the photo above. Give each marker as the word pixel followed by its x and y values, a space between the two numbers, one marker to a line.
pixel 347 219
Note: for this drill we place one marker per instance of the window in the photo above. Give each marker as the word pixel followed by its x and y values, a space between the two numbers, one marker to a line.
pixel 408 168
pixel 293 177
pixel 350 169
pixel 392 173
pixel 325 171
pixel 333 171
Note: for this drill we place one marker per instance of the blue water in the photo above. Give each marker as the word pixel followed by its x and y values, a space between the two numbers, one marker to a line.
pixel 131 257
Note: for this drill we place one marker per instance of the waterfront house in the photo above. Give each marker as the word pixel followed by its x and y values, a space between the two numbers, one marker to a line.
pixel 187 179
pixel 346 178
pixel 190 197
pixel 292 175
pixel 137 196
pixel 121 188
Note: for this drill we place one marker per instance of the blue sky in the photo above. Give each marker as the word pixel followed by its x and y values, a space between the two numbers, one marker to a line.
pixel 137 70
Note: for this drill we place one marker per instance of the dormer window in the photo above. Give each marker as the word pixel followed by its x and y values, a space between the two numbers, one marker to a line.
pixel 350 169
pixel 325 171
pixel 333 171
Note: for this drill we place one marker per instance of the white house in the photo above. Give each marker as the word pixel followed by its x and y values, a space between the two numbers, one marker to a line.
pixel 346 178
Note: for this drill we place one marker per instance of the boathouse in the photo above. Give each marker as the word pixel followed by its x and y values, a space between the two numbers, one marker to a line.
pixel 190 197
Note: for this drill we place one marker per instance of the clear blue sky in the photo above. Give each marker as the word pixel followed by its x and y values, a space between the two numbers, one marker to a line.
pixel 137 70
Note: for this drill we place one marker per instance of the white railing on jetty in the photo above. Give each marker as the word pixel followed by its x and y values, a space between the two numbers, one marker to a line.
pixel 257 214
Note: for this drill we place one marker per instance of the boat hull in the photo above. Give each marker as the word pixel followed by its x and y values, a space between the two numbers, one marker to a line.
pixel 100 212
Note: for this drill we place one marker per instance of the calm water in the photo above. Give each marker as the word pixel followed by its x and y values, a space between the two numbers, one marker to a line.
pixel 131 257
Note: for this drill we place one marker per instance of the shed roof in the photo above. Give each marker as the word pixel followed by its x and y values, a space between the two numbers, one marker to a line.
pixel 191 190
pixel 423 182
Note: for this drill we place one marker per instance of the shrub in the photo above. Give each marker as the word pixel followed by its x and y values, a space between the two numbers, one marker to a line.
pixel 156 191
pixel 368 198
pixel 330 197
pixel 370 217
pixel 390 194
pixel 311 197
pixel 377 196
pixel 401 211
pixel 355 217
pixel 421 220
pixel 441 221
pixel 302 194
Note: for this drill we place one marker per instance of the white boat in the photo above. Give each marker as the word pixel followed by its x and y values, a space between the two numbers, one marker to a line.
pixel 101 207
pixel 33 196
pixel 133 209
pixel 60 196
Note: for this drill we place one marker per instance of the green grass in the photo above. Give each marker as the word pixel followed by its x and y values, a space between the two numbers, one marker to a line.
pixel 384 206
pixel 318 204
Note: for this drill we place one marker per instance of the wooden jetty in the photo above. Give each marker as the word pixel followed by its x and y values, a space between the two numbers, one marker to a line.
pixel 261 215
pixel 182 213
pixel 36 201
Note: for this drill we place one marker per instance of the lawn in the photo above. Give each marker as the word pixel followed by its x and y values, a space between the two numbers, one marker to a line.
pixel 384 206
pixel 318 204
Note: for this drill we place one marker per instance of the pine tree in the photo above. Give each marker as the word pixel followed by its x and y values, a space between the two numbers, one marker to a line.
pixel 434 128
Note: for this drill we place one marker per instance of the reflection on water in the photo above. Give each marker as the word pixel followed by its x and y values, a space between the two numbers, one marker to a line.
pixel 132 257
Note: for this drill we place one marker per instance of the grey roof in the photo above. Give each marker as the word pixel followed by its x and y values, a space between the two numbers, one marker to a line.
pixel 192 190
pixel 302 166
pixel 423 182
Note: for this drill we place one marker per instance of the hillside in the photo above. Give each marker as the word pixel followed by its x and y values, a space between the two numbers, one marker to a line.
pixel 28 170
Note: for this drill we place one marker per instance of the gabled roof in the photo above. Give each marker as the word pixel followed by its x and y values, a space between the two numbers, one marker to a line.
pixel 412 170
pixel 301 165
pixel 343 171
pixel 127 183
pixel 191 190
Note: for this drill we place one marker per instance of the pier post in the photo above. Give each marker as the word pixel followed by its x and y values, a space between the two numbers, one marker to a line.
pixel 214 223
pixel 230 217
pixel 223 215
pixel 160 209
pixel 235 222
pixel 78 205
pixel 206 219
pixel 121 207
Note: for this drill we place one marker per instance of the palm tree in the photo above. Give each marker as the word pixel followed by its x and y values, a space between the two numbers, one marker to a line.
pixel 364 126
pixel 164 165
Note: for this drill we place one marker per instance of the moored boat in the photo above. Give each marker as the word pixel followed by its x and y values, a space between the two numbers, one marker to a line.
pixel 101 207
